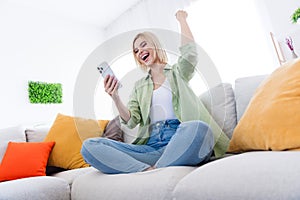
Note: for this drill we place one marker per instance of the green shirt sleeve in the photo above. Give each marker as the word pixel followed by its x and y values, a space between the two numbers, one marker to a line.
pixel 187 61
pixel 134 109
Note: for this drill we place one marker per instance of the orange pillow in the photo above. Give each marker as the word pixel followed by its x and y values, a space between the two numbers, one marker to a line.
pixel 272 120
pixel 23 160
pixel 68 133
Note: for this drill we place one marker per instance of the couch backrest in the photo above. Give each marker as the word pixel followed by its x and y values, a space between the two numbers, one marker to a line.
pixel 13 134
pixel 226 105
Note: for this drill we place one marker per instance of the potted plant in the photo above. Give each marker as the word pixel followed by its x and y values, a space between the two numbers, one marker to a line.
pixel 295 16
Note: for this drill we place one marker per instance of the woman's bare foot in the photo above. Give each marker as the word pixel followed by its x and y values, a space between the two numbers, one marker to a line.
pixel 150 168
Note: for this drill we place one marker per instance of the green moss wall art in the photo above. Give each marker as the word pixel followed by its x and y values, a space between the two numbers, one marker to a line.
pixel 44 93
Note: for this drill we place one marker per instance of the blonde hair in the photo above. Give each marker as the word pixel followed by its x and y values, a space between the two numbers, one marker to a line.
pixel 160 52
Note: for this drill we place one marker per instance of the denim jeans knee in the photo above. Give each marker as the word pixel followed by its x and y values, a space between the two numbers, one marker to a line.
pixel 208 142
pixel 191 144
pixel 84 149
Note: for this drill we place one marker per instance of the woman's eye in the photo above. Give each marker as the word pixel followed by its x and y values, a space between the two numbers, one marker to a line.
pixel 135 51
pixel 144 44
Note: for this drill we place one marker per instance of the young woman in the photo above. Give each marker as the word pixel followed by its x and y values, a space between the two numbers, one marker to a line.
pixel 169 114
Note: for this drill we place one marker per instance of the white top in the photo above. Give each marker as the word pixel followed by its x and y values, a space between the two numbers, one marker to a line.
pixel 161 106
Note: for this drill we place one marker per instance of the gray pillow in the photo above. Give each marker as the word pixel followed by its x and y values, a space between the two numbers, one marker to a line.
pixel 244 90
pixel 113 130
pixel 220 102
pixel 37 133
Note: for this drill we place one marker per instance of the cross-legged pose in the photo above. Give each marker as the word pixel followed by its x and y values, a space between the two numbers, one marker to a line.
pixel 171 118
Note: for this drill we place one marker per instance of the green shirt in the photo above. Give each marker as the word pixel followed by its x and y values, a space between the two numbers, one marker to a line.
pixel 187 106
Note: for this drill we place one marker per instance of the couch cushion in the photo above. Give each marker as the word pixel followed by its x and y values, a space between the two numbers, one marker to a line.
pixel 24 159
pixel 244 90
pixel 220 102
pixel 71 175
pixel 14 134
pixel 253 175
pixel 35 188
pixel 155 184
pixel 68 133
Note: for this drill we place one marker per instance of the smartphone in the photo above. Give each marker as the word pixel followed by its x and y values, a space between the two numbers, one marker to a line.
pixel 105 70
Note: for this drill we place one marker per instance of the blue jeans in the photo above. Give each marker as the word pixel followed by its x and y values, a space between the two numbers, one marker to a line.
pixel 171 143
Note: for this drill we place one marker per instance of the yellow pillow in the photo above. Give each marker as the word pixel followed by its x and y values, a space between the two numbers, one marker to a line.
pixel 272 118
pixel 69 133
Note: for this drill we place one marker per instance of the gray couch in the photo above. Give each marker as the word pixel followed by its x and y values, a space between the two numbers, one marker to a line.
pixel 251 175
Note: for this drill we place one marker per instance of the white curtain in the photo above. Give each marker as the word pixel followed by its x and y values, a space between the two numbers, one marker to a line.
pixel 233 34
pixel 148 14
pixel 231 31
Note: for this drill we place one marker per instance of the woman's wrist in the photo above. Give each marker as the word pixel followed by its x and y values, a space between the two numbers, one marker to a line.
pixel 115 98
pixel 182 21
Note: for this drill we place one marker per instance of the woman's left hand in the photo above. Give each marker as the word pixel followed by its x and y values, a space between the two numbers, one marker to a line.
pixel 181 15
pixel 111 86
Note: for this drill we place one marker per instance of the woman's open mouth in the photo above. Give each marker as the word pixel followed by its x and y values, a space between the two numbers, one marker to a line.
pixel 145 56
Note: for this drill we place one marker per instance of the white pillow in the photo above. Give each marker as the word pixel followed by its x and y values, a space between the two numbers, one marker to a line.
pixel 14 134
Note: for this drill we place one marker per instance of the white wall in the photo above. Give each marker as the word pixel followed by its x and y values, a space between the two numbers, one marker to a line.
pixel 39 46
pixel 276 17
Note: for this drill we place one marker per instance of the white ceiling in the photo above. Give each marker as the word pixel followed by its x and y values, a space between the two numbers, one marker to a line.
pixel 95 12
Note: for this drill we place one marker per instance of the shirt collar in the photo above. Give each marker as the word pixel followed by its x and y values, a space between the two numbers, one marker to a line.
pixel 167 67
